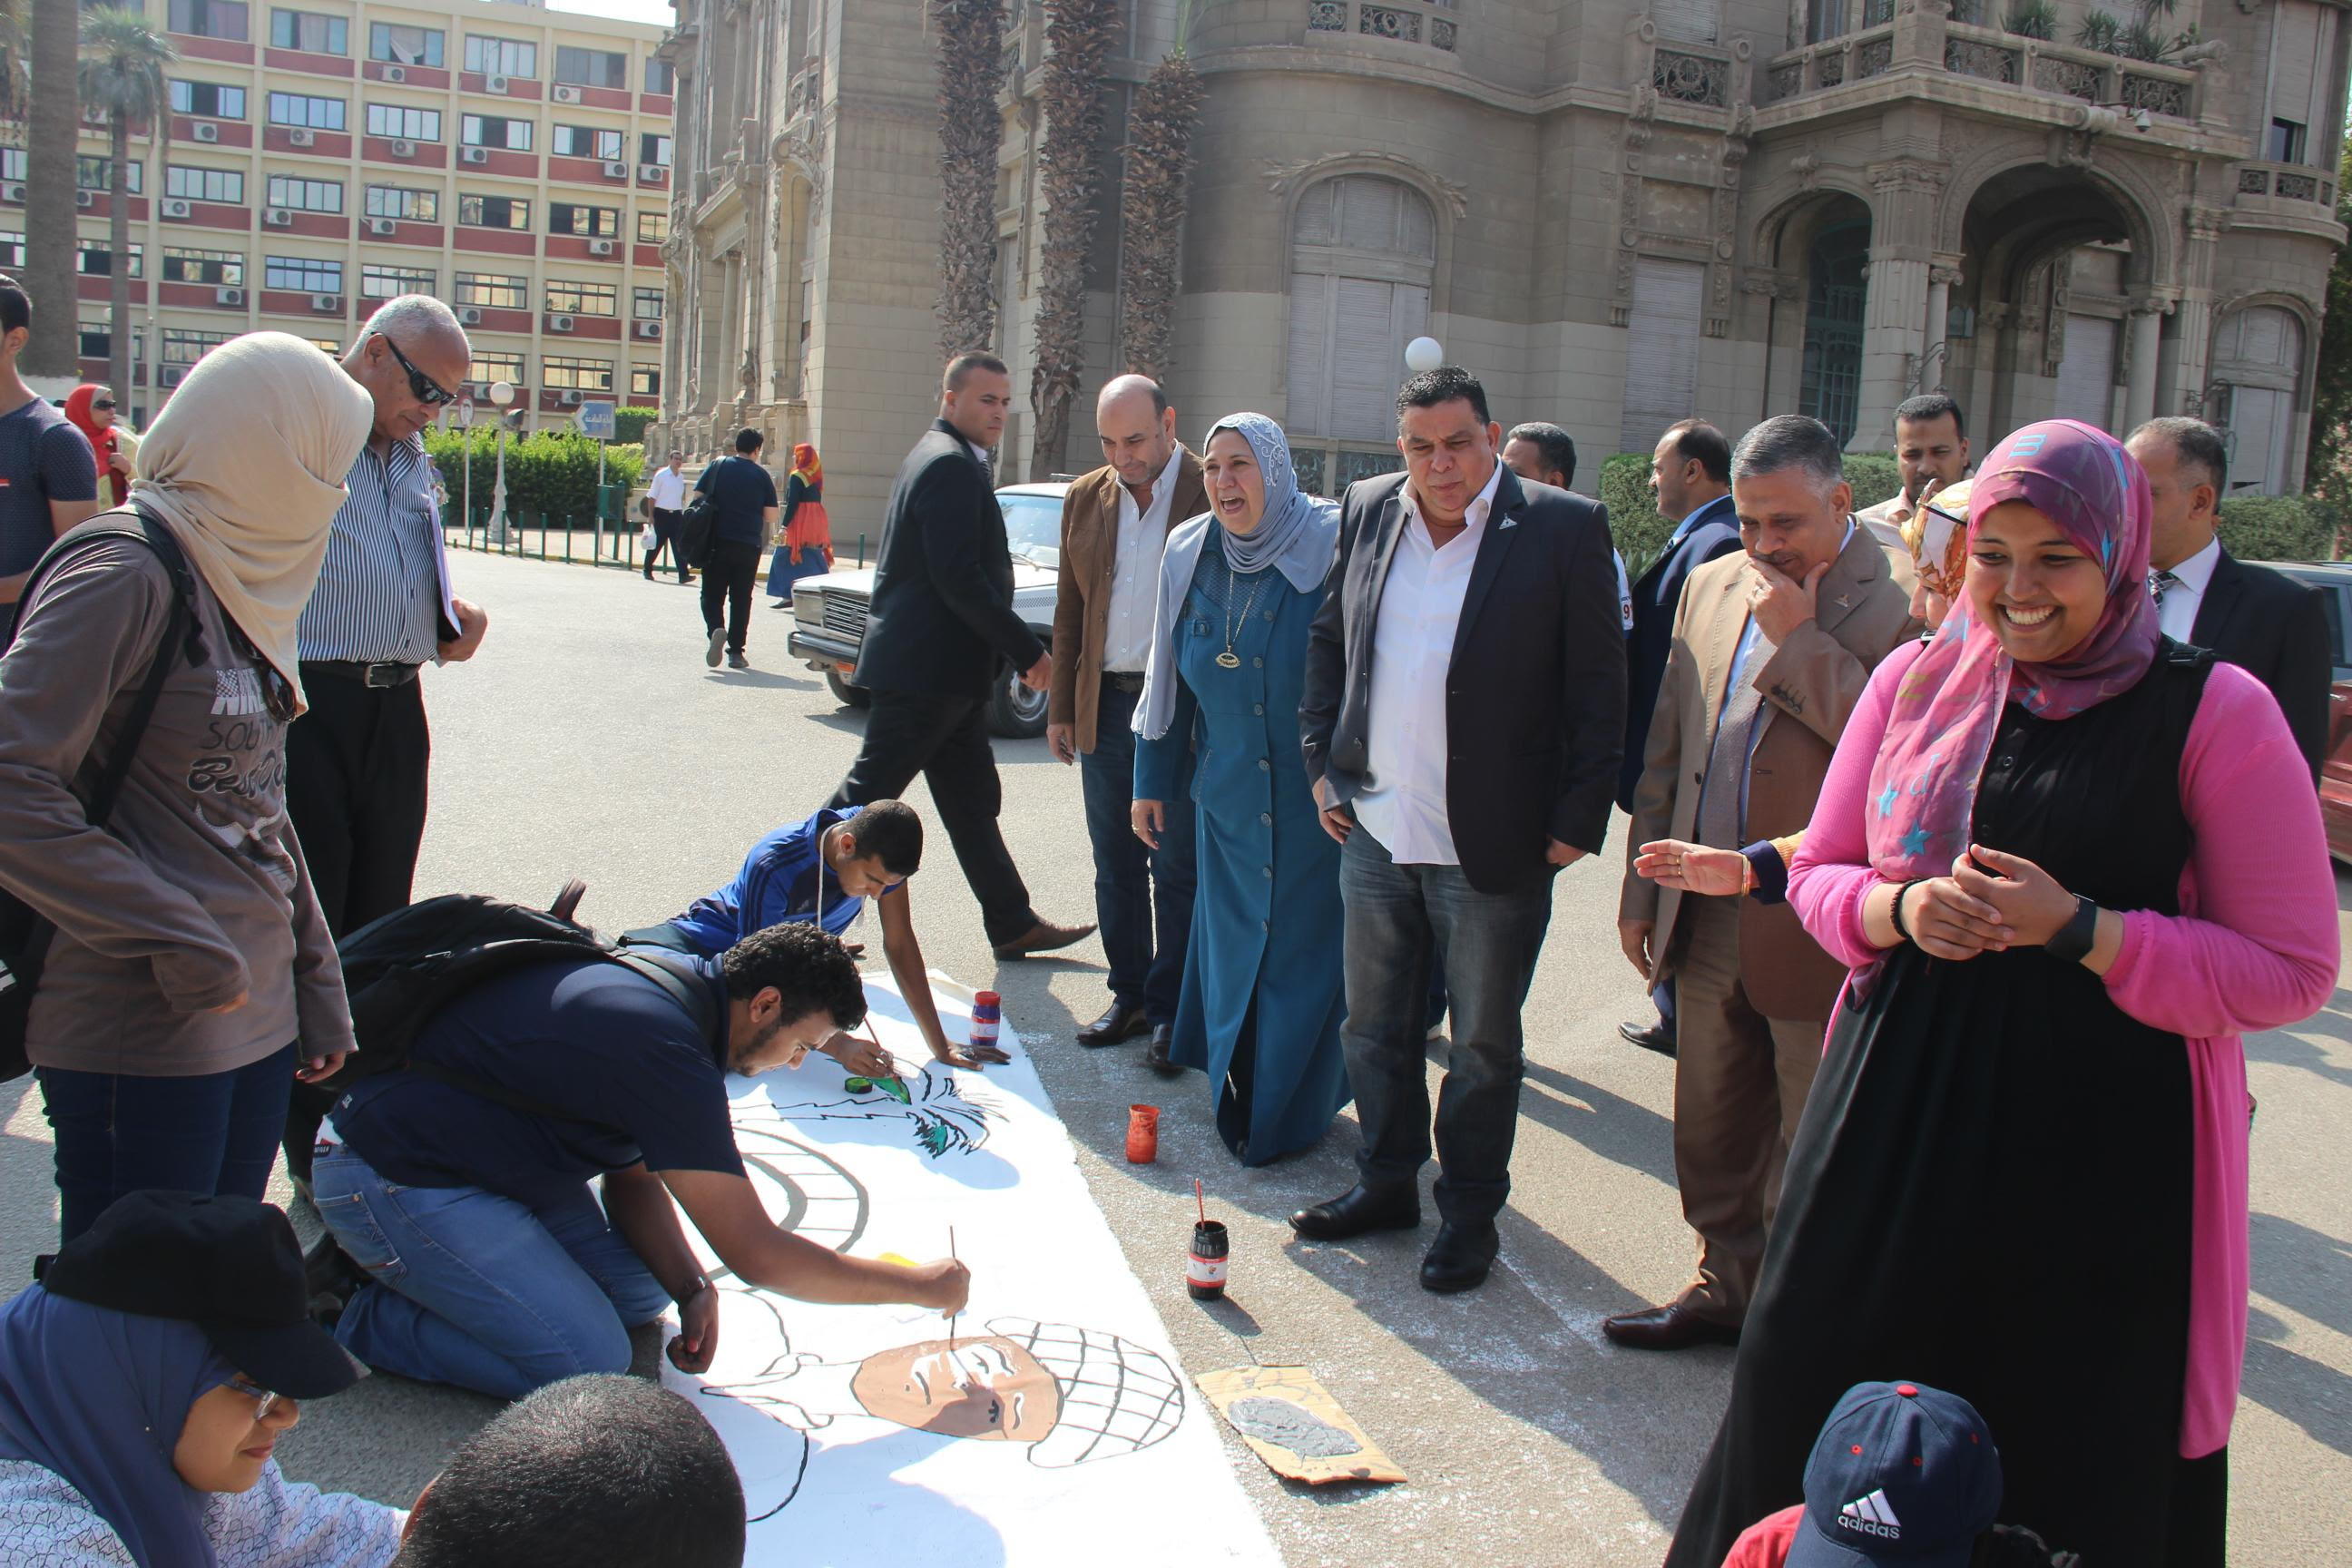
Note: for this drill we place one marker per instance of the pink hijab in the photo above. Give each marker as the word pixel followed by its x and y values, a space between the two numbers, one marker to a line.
pixel 1940 730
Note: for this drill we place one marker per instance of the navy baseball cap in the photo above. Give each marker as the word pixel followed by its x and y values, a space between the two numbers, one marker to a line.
pixel 1901 1473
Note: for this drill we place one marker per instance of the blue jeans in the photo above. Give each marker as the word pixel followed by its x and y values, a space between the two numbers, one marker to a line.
pixel 1143 897
pixel 1398 917
pixel 216 1132
pixel 480 1291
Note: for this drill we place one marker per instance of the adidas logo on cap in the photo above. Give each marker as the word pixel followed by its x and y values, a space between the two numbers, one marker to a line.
pixel 1872 1515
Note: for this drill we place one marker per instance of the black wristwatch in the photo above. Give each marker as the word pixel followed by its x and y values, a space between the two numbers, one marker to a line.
pixel 2072 942
pixel 694 1288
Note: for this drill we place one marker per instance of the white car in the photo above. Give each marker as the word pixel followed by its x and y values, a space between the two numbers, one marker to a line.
pixel 829 612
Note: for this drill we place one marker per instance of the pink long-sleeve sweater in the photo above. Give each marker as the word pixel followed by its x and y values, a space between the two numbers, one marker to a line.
pixel 2254 947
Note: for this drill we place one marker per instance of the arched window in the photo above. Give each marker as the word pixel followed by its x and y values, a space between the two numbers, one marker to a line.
pixel 1363 254
pixel 2258 355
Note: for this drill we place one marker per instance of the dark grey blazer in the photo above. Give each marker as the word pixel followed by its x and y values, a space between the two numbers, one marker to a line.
pixel 1535 706
pixel 2275 629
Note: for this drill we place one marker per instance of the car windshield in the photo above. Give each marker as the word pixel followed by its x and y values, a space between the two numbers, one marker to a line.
pixel 1033 527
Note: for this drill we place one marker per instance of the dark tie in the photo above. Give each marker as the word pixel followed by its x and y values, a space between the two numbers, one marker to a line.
pixel 2159 582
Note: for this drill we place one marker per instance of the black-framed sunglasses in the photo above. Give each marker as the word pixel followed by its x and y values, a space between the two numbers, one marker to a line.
pixel 426 390
pixel 105 403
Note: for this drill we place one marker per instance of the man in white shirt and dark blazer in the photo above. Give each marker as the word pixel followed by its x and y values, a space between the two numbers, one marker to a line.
pixel 2264 622
pixel 1465 704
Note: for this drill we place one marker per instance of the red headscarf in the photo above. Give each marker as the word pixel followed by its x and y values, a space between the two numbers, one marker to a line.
pixel 805 465
pixel 1922 785
pixel 101 442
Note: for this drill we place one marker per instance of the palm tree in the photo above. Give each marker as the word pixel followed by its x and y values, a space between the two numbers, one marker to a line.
pixel 50 235
pixel 1078 37
pixel 15 71
pixel 1152 245
pixel 971 64
pixel 122 61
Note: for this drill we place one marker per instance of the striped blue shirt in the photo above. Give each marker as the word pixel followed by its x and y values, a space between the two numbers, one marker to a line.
pixel 382 588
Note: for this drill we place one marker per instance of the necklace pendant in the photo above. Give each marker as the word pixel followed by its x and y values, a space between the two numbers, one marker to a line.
pixel 1229 659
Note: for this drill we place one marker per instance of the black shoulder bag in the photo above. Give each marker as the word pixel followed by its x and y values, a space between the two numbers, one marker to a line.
pixel 23 934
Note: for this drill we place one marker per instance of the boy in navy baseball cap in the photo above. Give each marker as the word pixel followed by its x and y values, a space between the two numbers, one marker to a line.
pixel 1900 1473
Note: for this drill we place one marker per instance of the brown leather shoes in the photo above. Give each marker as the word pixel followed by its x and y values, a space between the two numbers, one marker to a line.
pixel 1673 1327
pixel 1163 1037
pixel 1043 937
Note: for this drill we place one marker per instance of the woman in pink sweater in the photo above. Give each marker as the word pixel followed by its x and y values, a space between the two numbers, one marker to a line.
pixel 2070 863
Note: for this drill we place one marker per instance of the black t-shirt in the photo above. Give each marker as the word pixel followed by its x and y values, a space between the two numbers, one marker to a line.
pixel 43 457
pixel 590 1038
pixel 740 491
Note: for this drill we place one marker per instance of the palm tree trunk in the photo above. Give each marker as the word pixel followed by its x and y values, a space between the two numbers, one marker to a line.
pixel 1159 153
pixel 971 64
pixel 117 253
pixel 1078 35
pixel 51 239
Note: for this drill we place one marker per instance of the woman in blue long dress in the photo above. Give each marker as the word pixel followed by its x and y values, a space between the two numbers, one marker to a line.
pixel 1262 1002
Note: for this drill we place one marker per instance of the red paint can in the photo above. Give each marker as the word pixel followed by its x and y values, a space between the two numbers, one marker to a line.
pixel 1142 1134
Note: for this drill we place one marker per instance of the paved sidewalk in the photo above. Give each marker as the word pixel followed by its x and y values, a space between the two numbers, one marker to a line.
pixel 588 739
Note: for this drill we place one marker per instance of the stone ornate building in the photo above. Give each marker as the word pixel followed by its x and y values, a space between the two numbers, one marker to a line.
pixel 1619 213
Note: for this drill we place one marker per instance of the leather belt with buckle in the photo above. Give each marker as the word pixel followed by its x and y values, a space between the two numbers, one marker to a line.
pixel 1123 680
pixel 376 677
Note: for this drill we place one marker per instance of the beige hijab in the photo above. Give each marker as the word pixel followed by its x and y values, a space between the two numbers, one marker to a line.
pixel 246 465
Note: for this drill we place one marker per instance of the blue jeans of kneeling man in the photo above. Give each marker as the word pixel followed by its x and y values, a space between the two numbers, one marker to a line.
pixel 479 1290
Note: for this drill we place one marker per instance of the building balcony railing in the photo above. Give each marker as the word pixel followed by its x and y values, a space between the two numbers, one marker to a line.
pixel 1403 21
pixel 1989 55
pixel 2288 182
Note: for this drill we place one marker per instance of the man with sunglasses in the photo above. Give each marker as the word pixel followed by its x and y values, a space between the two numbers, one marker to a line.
pixel 356 763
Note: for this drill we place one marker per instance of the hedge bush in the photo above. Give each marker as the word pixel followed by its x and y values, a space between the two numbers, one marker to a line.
pixel 550 474
pixel 1641 533
pixel 2278 528
pixel 629 423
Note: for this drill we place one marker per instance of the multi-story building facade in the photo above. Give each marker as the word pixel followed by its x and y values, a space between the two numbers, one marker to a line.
pixel 1618 211
pixel 322 156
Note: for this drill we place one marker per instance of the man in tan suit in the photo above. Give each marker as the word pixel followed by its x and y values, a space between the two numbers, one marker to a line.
pixel 1115 523
pixel 1771 650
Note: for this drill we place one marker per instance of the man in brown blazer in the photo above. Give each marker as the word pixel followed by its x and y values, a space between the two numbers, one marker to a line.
pixel 1771 650
pixel 1115 523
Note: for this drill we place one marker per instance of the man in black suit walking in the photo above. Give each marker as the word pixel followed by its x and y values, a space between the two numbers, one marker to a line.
pixel 1690 475
pixel 1465 704
pixel 2264 622
pixel 940 620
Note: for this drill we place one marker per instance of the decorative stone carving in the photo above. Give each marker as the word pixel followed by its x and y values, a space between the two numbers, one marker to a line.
pixel 1386 22
pixel 1691 78
pixel 2156 95
pixel 1283 178
pixel 1785 80
pixel 2073 77
pixel 2255 182
pixel 1968 56
pixel 1873 58
pixel 1326 15
pixel 2296 187
pixel 1833 69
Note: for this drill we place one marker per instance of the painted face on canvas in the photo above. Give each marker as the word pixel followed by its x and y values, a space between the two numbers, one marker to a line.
pixel 983 1388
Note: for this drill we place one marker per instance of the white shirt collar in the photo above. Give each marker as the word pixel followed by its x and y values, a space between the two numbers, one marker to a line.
pixel 2197 572
pixel 1159 487
pixel 1472 516
pixel 982 453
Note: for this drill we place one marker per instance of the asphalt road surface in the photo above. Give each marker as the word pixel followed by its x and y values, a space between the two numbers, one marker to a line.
pixel 589 739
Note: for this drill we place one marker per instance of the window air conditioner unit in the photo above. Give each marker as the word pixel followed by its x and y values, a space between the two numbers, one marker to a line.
pixel 301 136
pixel 175 208
pixel 469 315
pixel 403 149
pixel 277 217
pixel 600 247
pixel 205 130
pixel 85 198
pixel 572 399
pixel 324 303
pixel 382 226
pixel 476 154
pixel 649 328
pixel 174 374
pixel 228 295
pixel 616 171
pixel 494 84
pixel 653 172
pixel 14 191
pixel 565 94
pixel 394 73
pixel 559 323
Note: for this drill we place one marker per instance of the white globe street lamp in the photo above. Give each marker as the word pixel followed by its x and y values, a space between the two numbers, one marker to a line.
pixel 501 394
pixel 1424 354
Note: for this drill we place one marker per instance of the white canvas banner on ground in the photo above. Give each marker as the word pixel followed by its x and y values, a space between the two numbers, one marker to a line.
pixel 1056 1427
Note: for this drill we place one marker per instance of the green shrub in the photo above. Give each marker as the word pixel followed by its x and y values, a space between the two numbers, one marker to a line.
pixel 1641 533
pixel 2278 528
pixel 551 474
pixel 629 423
pixel 2032 19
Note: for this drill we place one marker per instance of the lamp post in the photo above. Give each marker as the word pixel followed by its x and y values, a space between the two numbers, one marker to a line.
pixel 502 393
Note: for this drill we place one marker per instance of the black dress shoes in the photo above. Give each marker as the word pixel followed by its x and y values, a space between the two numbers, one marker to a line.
pixel 1357 1210
pixel 1460 1258
pixel 1120 1023
pixel 1649 1036
pixel 1672 1327
pixel 1163 1037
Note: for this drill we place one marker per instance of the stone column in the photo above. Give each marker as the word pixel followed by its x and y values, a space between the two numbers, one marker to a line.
pixel 1934 361
pixel 2140 377
pixel 2184 391
pixel 1900 229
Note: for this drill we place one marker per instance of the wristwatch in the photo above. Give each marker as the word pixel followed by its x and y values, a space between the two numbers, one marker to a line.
pixel 694 1287
pixel 2071 944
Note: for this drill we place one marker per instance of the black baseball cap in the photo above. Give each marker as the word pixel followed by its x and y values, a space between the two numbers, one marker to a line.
pixel 228 1264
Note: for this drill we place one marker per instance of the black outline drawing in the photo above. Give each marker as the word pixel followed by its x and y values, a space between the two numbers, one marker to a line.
pixel 946 1120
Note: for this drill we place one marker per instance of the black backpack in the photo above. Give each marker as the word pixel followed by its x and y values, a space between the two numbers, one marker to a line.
pixel 23 934
pixel 404 968
pixel 699 527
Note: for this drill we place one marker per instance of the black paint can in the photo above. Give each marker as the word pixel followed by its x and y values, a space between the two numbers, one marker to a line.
pixel 1204 1272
